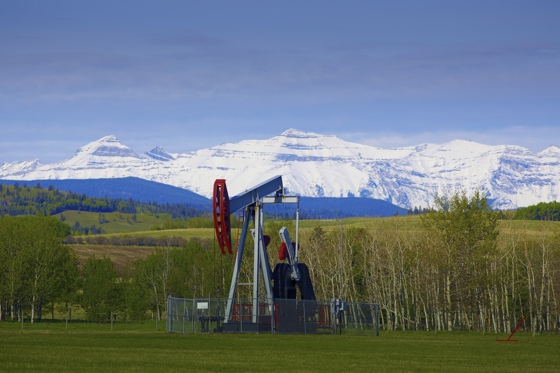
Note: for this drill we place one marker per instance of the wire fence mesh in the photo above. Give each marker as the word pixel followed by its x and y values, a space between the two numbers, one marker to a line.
pixel 208 315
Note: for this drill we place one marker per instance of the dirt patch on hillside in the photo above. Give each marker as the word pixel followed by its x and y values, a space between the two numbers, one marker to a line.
pixel 119 255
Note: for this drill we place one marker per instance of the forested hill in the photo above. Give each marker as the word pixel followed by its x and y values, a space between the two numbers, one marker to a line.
pixel 124 188
pixel 150 192
pixel 25 200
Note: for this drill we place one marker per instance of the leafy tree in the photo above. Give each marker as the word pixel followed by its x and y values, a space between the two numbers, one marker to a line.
pixel 193 271
pixel 189 271
pixel 151 275
pixel 42 250
pixel 102 290
pixel 465 233
pixel 136 293
pixel 12 264
pixel 66 278
pixel 31 256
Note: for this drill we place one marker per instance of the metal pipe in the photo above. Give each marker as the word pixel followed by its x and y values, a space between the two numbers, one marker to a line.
pixel 340 246
pixel 297 232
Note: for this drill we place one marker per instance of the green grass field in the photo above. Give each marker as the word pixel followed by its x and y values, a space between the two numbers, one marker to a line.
pixel 139 347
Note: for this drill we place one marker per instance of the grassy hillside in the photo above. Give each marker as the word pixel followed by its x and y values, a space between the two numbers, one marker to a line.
pixel 121 256
pixel 141 224
pixel 120 226
pixel 114 222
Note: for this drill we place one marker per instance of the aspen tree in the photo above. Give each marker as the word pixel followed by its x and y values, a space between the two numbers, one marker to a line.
pixel 466 229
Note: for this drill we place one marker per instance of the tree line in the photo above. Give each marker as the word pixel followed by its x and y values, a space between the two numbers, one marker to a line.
pixel 549 211
pixel 454 271
pixel 453 268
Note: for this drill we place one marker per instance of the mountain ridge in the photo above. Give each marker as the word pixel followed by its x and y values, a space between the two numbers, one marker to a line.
pixel 316 165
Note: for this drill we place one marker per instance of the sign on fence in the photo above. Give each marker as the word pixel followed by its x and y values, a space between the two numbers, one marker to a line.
pixel 202 305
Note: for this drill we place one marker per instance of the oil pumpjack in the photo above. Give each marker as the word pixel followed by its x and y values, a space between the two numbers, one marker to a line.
pixel 279 285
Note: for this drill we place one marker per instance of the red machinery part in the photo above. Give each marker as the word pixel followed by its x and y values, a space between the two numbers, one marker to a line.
pixel 220 210
pixel 283 252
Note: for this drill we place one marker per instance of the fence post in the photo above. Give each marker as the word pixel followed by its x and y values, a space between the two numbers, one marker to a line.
pixel 168 321
pixel 304 317
pixel 377 320
pixel 357 319
pixel 193 315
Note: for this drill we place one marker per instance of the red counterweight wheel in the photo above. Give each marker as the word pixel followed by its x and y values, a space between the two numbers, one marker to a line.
pixel 220 210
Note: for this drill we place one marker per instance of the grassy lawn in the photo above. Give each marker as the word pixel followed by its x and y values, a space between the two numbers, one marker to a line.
pixel 139 347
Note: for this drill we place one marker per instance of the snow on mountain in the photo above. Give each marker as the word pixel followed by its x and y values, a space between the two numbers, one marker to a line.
pixel 318 165
pixel 159 154
pixel 19 169
pixel 551 151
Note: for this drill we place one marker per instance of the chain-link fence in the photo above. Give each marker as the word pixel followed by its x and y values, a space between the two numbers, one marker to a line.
pixel 281 316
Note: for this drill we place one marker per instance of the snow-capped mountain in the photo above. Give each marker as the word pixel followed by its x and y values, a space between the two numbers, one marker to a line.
pixel 318 165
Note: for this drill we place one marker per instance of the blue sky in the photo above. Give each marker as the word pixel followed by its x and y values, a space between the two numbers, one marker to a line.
pixel 187 75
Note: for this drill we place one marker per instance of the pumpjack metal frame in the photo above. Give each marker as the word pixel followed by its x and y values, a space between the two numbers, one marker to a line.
pixel 252 202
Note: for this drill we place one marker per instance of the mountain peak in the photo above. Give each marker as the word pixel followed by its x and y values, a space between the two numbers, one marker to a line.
pixel 108 146
pixel 295 133
pixel 20 168
pixel 551 150
pixel 460 149
pixel 159 154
